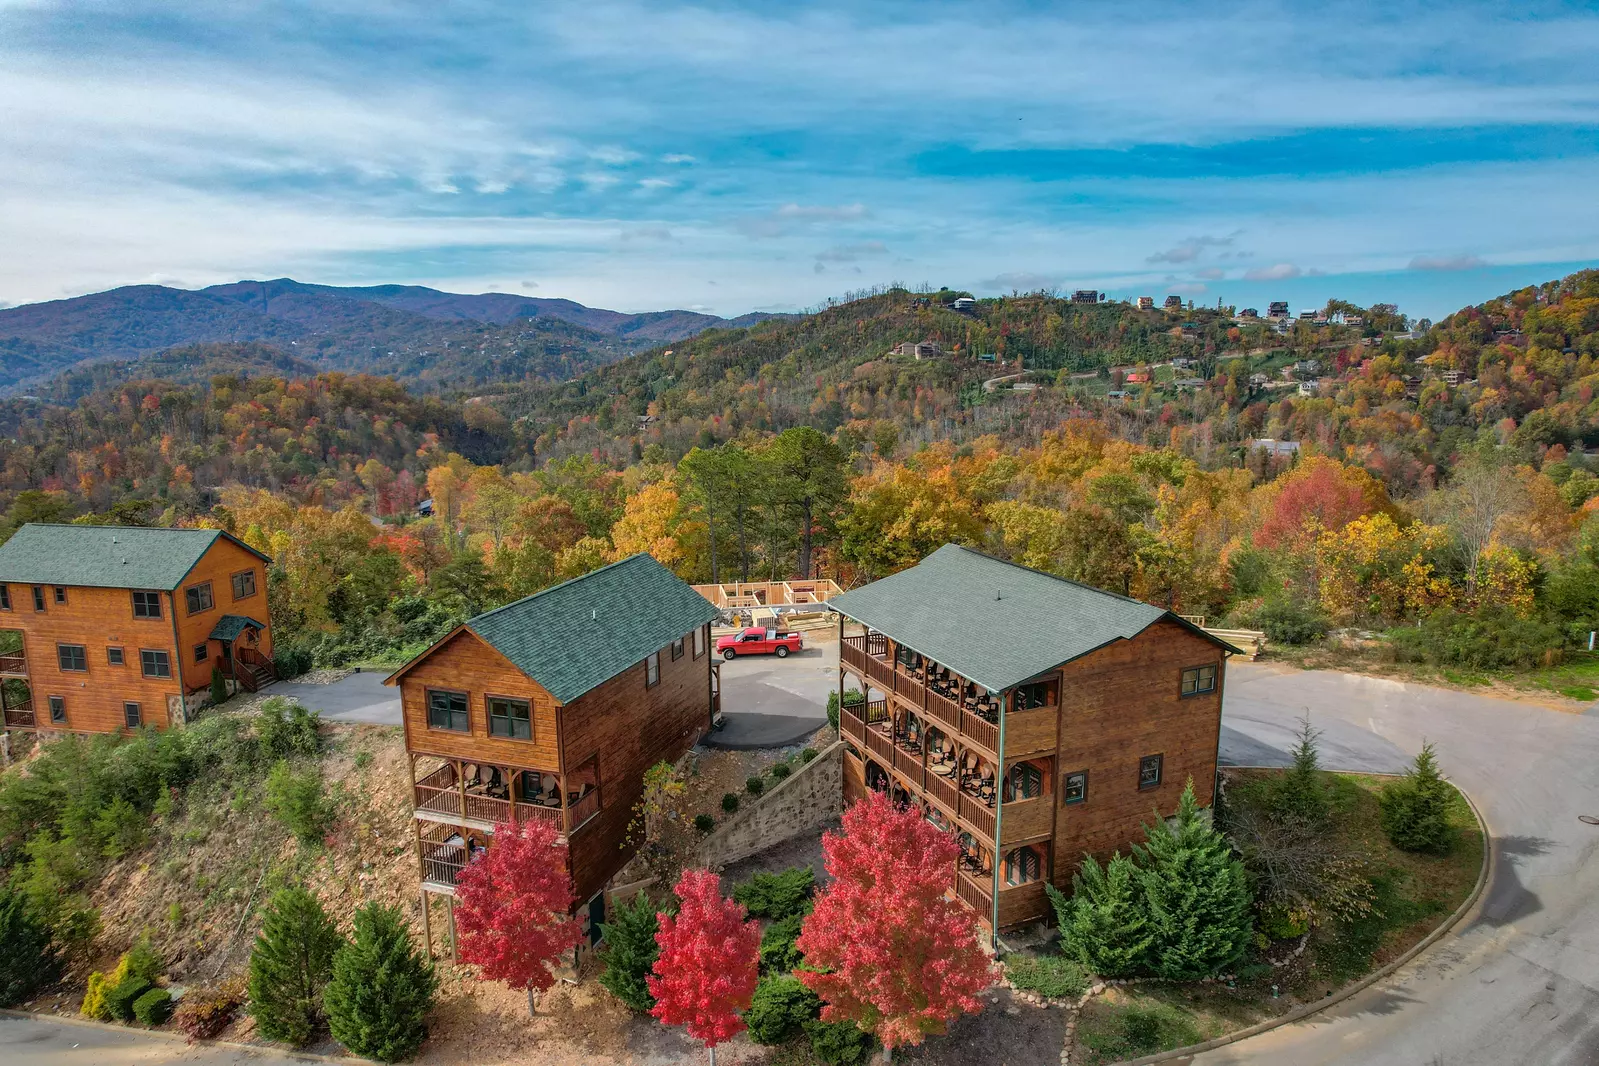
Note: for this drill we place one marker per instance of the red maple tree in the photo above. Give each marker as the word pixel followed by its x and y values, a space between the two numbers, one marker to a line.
pixel 901 959
pixel 512 908
pixel 708 966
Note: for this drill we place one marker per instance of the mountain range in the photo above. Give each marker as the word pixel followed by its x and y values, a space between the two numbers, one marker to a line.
pixel 418 334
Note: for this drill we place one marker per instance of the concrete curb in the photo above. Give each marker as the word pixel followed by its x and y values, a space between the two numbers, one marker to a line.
pixel 179 1038
pixel 1309 1009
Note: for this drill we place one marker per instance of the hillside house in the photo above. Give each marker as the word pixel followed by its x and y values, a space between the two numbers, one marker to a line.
pixel 1174 303
pixel 1086 296
pixel 964 304
pixel 1249 314
pixel 1277 449
pixel 1277 309
pixel 1146 303
pixel 917 349
pixel 551 708
pixel 1032 718
pixel 114 627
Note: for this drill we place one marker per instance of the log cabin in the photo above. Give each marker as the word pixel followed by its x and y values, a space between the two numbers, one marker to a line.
pixel 552 708
pixel 109 628
pixel 1034 719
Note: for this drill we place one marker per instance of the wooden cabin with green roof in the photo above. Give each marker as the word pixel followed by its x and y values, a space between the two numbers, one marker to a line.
pixel 552 708
pixel 1034 719
pixel 108 628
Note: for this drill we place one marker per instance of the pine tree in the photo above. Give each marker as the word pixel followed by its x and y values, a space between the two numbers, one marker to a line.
pixel 290 965
pixel 1415 808
pixel 382 988
pixel 1302 791
pixel 28 959
pixel 630 952
pixel 1102 926
pixel 1195 896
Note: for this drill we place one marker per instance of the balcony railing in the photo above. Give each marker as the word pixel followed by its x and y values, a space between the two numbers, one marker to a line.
pixel 853 651
pixel 442 863
pixel 876 712
pixel 13 664
pixel 977 814
pixel 21 716
pixel 944 791
pixel 851 723
pixel 908 764
pixel 878 744
pixel 974 894
pixel 913 691
pixel 943 709
pixel 880 673
pixel 587 806
pixel 437 794
pixel 980 730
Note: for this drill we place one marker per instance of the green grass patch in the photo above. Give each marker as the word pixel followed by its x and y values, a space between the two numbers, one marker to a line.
pixel 1054 976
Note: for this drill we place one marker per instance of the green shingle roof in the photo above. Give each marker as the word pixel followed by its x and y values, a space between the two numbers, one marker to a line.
pixel 577 635
pixel 994 622
pixel 117 557
pixel 229 626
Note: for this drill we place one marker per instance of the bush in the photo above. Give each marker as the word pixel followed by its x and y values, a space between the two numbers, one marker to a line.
pixel 1048 975
pixel 729 802
pixel 780 1008
pixel 778 896
pixel 203 1015
pixel 287 729
pixel 1289 623
pixel 119 828
pixel 630 951
pixel 295 798
pixel 704 823
pixel 94 998
pixel 28 958
pixel 1103 926
pixel 780 770
pixel 852 697
pixel 382 988
pixel 754 785
pixel 1491 639
pixel 290 966
pixel 219 687
pixel 120 999
pixel 143 960
pixel 807 755
pixel 154 1007
pixel 1301 792
pixel 779 954
pixel 1415 808
pixel 839 1043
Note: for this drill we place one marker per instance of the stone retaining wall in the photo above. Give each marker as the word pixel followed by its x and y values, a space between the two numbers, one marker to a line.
pixel 809 797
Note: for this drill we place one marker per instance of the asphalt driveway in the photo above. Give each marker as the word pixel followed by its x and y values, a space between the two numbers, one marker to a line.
pixel 769 702
pixel 360 697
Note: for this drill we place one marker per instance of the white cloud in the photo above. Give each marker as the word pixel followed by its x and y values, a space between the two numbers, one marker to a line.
pixel 677 158
pixel 1462 261
pixel 656 183
pixel 788 217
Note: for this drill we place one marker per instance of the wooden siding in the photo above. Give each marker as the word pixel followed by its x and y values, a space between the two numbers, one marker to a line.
pixel 1030 732
pixel 1120 704
pixel 464 663
pixel 220 562
pixel 630 727
pixel 96 618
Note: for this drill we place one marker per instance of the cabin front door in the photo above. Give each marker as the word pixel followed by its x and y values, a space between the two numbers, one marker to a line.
pixel 227 658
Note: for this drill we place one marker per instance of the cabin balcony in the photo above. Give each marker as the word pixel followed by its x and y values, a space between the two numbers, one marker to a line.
pixel 14 664
pixel 20 715
pixel 470 795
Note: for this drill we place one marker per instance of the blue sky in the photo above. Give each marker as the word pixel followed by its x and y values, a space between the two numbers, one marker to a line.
pixel 739 156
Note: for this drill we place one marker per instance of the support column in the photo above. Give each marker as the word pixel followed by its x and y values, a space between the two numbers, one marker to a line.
pixel 427 928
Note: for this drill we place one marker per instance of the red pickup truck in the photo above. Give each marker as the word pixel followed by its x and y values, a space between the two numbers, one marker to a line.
pixel 759 642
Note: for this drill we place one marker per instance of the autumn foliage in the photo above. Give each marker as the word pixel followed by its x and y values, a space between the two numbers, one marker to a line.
pixel 707 969
pixel 512 907
pixel 891 953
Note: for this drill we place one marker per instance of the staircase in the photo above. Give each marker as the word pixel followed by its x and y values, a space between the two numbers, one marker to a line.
pixel 254 671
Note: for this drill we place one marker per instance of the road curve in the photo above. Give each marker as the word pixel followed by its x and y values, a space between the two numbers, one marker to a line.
pixel 1520 983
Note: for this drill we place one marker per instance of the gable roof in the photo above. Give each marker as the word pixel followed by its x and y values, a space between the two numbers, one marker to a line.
pixel 116 557
pixel 577 635
pixel 229 626
pixel 995 622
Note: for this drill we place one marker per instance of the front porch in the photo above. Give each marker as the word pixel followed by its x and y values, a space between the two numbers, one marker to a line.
pixel 479 796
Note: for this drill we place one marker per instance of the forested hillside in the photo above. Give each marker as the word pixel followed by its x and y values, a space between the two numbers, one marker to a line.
pixel 1436 485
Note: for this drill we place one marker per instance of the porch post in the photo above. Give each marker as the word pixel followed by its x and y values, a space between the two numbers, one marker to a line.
pixel 999 813
pixel 460 785
pixel 427 929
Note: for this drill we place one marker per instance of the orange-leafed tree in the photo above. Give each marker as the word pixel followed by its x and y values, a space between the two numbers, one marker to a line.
pixel 709 962
pixel 512 911
pixel 884 947
pixel 1319 494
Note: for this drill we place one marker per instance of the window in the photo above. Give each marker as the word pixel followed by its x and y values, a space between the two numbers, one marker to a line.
pixel 1022 866
pixel 244 585
pixel 652 669
pixel 61 595
pixel 1038 694
pixel 201 654
pixel 1198 680
pixel 58 710
pixel 113 656
pixel 38 597
pixel 198 597
pixel 510 718
pixel 699 641
pixel 447 710
pixel 146 604
pixel 1074 787
pixel 155 663
pixel 72 657
pixel 1149 771
pixel 1024 782
pixel 131 715
pixel 677 649
pixel 5 599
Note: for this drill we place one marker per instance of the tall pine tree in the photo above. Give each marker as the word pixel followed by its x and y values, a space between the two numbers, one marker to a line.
pixel 1195 895
pixel 382 988
pixel 1415 808
pixel 290 966
pixel 1102 925
pixel 630 951
pixel 28 959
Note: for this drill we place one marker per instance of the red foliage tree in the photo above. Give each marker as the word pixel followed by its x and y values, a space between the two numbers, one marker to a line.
pixel 1320 493
pixel 709 962
pixel 902 960
pixel 512 908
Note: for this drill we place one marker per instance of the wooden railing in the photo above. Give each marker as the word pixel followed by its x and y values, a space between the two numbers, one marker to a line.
pixel 1028 819
pixel 908 764
pixel 943 709
pixel 977 814
pixel 851 723
pixel 442 863
pixel 585 808
pixel 974 895
pixel 13 664
pixel 878 744
pixel 853 651
pixel 911 689
pixel 20 716
pixel 880 672
pixel 537 812
pixel 944 791
pixel 876 711
pixel 980 730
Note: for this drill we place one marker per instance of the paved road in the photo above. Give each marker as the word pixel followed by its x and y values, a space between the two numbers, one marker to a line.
pixel 1519 985
pixel 29 1042
pixel 359 697
pixel 771 703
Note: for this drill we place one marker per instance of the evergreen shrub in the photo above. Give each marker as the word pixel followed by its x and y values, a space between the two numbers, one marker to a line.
pixel 154 1007
pixel 704 823
pixel 28 959
pixel 290 966
pixel 780 1008
pixel 119 1000
pixel 1415 808
pixel 754 785
pixel 629 951
pixel 778 896
pixel 382 988
pixel 839 1043
pixel 729 802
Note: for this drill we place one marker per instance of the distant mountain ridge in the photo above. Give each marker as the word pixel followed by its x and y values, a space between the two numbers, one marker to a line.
pixel 410 331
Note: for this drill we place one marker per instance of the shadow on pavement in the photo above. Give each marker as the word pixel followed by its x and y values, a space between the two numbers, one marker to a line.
pixel 1508 900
